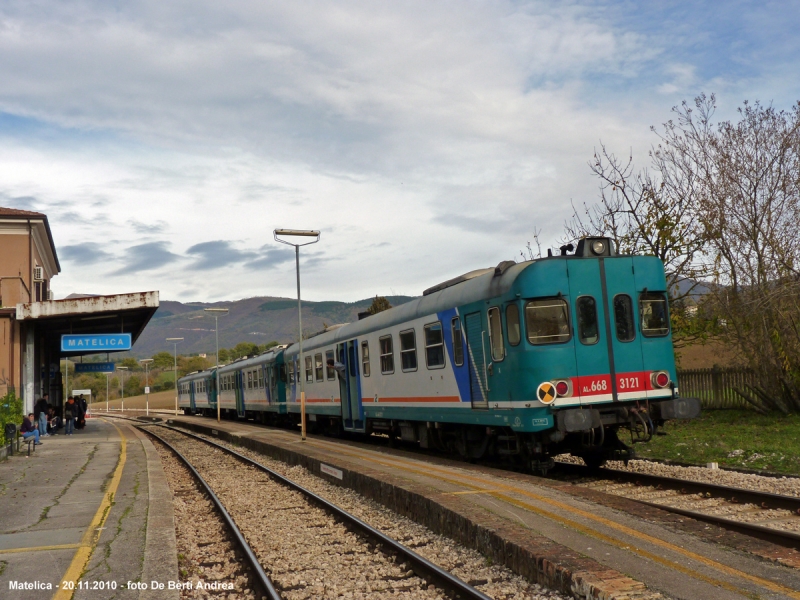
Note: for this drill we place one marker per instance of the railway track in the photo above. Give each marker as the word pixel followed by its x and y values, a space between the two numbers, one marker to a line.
pixel 772 517
pixel 308 544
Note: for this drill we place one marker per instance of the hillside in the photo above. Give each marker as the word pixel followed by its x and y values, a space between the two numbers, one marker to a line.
pixel 258 320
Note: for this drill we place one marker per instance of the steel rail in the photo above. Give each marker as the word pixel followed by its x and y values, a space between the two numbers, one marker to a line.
pixel 734 495
pixel 261 575
pixel 421 566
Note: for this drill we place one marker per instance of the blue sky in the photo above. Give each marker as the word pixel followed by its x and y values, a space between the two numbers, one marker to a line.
pixel 166 141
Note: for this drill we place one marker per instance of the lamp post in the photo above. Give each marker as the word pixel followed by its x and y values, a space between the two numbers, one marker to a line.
pixel 217 312
pixel 122 401
pixel 108 374
pixel 176 341
pixel 304 233
pixel 146 362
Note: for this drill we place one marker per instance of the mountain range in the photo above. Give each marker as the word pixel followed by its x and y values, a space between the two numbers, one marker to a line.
pixel 257 320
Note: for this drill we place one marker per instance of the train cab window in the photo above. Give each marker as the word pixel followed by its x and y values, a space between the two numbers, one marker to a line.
pixel 309 371
pixel 387 355
pixel 547 321
pixel 512 324
pixel 408 350
pixel 586 309
pixel 434 346
pixel 623 318
pixel 458 341
pixel 331 371
pixel 318 368
pixel 653 314
pixel 496 334
pixel 365 358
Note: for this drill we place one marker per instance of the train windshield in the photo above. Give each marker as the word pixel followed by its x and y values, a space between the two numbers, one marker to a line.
pixel 547 321
pixel 653 314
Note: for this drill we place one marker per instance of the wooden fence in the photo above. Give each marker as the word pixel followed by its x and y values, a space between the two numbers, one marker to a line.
pixel 714 387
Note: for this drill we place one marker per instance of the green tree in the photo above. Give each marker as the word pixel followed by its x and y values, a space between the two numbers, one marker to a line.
pixel 224 356
pixel 10 412
pixel 243 349
pixel 379 304
pixel 163 360
pixel 130 362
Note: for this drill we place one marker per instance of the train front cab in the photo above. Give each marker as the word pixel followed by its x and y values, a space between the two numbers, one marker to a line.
pixel 599 350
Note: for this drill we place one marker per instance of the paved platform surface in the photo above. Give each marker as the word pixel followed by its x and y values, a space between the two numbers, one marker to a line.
pixel 590 548
pixel 84 515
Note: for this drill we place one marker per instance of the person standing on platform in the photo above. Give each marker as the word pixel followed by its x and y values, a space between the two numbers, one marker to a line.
pixel 28 429
pixel 70 411
pixel 80 418
pixel 40 415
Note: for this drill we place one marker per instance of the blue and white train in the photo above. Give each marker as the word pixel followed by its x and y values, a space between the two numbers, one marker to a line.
pixel 524 360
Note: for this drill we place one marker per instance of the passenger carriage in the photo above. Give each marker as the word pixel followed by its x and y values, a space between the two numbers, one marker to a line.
pixel 197 392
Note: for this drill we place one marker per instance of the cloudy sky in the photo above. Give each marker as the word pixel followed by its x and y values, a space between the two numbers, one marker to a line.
pixel 166 140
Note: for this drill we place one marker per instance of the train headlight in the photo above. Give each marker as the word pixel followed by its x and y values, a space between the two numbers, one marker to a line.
pixel 598 247
pixel 659 379
pixel 562 388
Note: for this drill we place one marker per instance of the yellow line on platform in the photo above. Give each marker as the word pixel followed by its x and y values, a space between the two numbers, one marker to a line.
pixel 92 534
pixel 40 548
pixel 432 470
pixel 470 492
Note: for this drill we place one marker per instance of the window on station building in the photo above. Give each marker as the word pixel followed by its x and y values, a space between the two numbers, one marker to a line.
pixel 496 335
pixel 434 346
pixel 408 350
pixel 623 318
pixel 387 355
pixel 512 324
pixel 547 321
pixel 458 341
pixel 318 367
pixel 653 314
pixel 586 312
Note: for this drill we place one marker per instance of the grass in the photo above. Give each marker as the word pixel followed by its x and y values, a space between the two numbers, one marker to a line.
pixel 733 438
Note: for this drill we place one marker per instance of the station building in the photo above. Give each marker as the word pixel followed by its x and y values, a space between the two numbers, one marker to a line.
pixel 32 322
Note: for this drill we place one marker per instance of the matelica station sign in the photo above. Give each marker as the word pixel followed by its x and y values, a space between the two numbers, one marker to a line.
pixel 103 342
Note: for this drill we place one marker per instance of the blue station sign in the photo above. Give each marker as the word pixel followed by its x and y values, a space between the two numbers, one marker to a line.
pixel 94 367
pixel 103 342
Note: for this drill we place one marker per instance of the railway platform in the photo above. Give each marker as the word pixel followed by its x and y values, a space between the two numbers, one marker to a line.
pixel 85 515
pixel 582 544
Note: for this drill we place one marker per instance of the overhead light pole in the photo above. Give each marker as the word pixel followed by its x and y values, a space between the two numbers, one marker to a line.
pixel 176 341
pixel 303 233
pixel 217 312
pixel 122 401
pixel 146 362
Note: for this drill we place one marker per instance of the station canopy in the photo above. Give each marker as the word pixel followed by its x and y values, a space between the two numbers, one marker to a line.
pixel 80 314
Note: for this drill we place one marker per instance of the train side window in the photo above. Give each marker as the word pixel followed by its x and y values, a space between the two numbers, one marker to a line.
pixel 282 373
pixel 434 346
pixel 408 350
pixel 458 341
pixel 365 358
pixel 387 355
pixel 291 371
pixel 330 370
pixel 653 314
pixel 309 370
pixel 586 309
pixel 547 321
pixel 623 317
pixel 318 368
pixel 261 378
pixel 512 324
pixel 496 335
pixel 249 380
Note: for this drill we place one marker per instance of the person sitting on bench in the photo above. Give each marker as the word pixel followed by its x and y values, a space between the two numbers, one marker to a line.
pixel 28 429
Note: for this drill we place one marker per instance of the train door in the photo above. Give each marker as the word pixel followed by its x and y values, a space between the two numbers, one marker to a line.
pixel 240 404
pixel 476 344
pixel 192 402
pixel 238 388
pixel 592 332
pixel 269 382
pixel 350 388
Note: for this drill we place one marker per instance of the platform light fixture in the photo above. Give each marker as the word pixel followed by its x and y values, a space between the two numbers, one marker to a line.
pixel 122 401
pixel 217 313
pixel 303 233
pixel 146 362
pixel 176 341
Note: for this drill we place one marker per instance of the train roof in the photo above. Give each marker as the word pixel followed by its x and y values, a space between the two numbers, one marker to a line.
pixel 468 288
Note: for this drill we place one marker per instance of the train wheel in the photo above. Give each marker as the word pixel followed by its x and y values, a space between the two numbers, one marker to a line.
pixel 594 461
